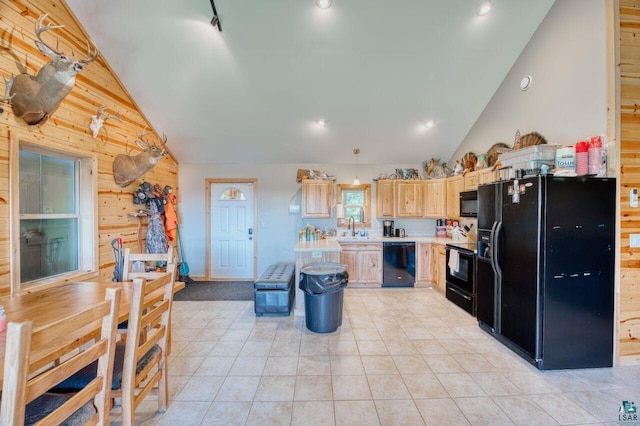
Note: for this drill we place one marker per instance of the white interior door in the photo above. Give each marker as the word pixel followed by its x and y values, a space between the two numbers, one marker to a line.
pixel 232 233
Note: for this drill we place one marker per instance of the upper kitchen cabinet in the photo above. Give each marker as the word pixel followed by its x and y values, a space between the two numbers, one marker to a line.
pixel 317 198
pixel 455 185
pixel 471 180
pixel 435 193
pixel 385 199
pixel 409 198
pixel 488 175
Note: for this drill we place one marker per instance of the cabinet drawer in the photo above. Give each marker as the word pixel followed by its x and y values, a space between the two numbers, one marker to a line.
pixel 360 246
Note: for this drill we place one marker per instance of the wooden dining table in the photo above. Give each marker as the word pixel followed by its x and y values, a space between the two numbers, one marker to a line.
pixel 54 303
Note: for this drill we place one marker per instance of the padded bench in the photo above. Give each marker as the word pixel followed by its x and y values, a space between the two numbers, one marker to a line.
pixel 274 291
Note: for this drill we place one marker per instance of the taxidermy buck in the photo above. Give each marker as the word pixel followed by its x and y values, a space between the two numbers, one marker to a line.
pixel 127 168
pixel 35 98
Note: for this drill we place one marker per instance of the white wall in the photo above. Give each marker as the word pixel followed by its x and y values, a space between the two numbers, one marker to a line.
pixel 567 101
pixel 277 189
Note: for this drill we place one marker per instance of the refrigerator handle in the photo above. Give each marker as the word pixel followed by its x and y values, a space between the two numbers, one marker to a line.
pixel 495 234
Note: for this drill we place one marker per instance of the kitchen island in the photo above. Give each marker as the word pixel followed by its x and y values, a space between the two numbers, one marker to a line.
pixel 430 260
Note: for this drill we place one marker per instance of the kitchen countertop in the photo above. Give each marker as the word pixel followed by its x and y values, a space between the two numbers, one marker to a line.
pixel 333 244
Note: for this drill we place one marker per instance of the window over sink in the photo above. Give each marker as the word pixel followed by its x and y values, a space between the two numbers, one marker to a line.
pixel 356 202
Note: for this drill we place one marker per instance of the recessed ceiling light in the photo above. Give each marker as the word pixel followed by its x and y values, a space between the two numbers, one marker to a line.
pixel 525 83
pixel 429 124
pixel 484 7
pixel 321 122
pixel 324 4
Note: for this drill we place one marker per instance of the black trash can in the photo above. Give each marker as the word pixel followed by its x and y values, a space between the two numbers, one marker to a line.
pixel 323 285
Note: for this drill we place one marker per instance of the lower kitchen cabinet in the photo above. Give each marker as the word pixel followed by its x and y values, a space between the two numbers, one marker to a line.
pixel 364 263
pixel 424 274
pixel 438 267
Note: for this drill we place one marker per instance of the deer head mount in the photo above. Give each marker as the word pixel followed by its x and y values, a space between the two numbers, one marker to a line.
pixel 127 168
pixel 99 119
pixel 35 98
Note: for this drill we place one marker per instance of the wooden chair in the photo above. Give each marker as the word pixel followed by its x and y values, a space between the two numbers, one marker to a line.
pixel 141 363
pixel 37 359
pixel 131 258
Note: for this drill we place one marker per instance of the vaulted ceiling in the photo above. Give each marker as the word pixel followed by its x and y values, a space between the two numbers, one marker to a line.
pixel 376 71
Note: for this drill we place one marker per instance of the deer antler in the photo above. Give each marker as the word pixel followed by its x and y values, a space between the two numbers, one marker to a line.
pixel 40 29
pixel 164 139
pixel 90 59
pixel 7 89
pixel 141 137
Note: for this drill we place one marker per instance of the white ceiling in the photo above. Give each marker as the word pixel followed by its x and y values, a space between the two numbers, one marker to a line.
pixel 374 70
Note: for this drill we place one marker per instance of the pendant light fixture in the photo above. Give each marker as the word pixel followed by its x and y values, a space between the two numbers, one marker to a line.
pixel 356 151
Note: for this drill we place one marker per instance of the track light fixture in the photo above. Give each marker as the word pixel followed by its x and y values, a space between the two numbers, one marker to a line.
pixel 215 21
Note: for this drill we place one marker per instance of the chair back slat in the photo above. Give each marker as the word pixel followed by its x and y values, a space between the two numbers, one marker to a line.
pixel 147 333
pixel 130 258
pixel 23 382
pixel 58 373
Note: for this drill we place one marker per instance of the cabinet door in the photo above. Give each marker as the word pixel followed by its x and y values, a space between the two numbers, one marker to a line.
pixel 349 258
pixel 423 257
pixel 442 268
pixel 471 181
pixel 370 267
pixel 455 185
pixel 317 198
pixel 435 201
pixel 385 199
pixel 488 175
pixel 409 198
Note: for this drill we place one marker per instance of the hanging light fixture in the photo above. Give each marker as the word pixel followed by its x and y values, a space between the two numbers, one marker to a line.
pixel 356 151
pixel 324 4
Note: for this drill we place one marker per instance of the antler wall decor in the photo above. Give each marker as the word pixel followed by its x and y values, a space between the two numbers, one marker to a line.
pixel 99 119
pixel 35 98
pixel 127 168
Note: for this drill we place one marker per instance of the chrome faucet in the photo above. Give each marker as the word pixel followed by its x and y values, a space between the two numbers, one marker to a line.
pixel 352 225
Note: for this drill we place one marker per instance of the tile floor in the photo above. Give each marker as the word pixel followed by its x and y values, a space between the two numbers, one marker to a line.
pixel 401 357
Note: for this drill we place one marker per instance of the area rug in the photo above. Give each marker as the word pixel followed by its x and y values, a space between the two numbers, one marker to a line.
pixel 215 290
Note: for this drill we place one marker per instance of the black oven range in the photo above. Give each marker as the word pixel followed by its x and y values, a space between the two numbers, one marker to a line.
pixel 461 264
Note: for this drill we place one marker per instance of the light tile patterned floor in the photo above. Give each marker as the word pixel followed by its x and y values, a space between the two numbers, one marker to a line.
pixel 402 357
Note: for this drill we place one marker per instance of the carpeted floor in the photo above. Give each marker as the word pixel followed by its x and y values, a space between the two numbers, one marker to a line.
pixel 215 290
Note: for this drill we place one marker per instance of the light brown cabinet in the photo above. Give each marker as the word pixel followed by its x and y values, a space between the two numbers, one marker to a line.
pixel 317 198
pixel 488 175
pixel 435 198
pixel 424 275
pixel 455 185
pixel 385 199
pixel 409 195
pixel 471 180
pixel 364 263
pixel 438 267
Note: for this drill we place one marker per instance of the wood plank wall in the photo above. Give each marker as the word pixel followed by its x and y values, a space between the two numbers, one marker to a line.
pixel 69 126
pixel 629 304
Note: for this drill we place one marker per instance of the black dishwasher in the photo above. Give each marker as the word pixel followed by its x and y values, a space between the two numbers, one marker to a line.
pixel 399 268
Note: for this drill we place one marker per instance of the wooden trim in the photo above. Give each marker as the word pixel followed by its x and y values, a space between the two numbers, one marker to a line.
pixel 613 135
pixel 90 167
pixel 207 207
pixel 367 201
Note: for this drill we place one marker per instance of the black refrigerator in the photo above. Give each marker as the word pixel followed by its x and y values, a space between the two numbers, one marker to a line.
pixel 545 269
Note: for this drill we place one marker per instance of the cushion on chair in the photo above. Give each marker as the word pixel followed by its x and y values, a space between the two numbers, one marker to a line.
pixel 47 403
pixel 88 373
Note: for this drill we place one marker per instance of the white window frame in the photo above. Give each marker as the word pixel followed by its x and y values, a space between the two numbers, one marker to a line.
pixel 87 197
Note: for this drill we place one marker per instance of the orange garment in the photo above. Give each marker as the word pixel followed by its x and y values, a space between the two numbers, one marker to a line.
pixel 170 218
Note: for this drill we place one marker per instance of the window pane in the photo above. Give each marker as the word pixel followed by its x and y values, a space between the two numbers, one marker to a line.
pixel 47 184
pixel 29 183
pixel 47 247
pixel 58 185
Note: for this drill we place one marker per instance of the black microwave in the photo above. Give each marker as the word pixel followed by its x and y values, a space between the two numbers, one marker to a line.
pixel 469 204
